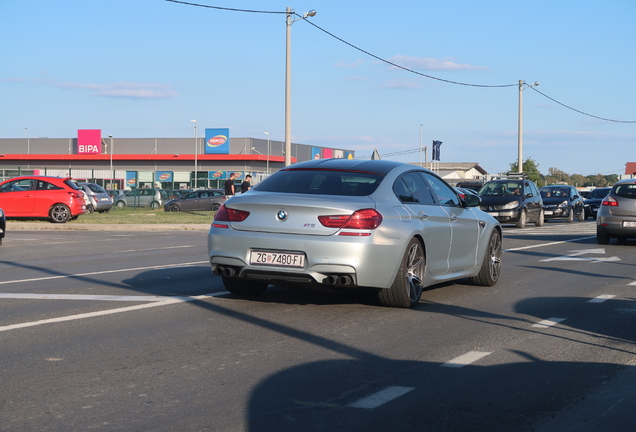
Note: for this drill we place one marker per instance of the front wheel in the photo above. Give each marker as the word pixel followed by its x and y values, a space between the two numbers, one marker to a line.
pixel 491 265
pixel 523 218
pixel 570 218
pixel 408 285
pixel 582 216
pixel 244 287
pixel 59 213
pixel 174 208
pixel 541 219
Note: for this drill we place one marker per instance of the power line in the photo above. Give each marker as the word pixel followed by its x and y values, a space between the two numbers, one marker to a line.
pixel 399 66
pixel 580 112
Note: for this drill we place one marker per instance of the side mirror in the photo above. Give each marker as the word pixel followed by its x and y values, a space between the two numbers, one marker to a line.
pixel 472 200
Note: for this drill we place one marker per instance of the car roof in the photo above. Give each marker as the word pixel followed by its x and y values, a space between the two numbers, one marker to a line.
pixel 381 167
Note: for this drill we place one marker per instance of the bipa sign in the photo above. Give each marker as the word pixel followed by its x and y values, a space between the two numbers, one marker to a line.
pixel 89 141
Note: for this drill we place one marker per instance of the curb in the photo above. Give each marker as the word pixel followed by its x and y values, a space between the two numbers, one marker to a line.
pixel 47 226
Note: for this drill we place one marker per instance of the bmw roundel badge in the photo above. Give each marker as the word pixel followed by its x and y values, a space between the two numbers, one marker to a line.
pixel 281 215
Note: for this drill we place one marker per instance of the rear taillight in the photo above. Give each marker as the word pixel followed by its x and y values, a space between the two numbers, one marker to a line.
pixel 76 195
pixel 225 214
pixel 366 219
pixel 610 201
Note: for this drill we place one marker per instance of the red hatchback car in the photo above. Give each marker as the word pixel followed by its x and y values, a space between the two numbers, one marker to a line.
pixel 54 198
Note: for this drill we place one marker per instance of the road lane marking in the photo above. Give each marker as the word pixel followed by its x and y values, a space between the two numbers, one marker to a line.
pixel 575 255
pixel 548 244
pixel 103 297
pixel 105 272
pixel 548 323
pixel 632 283
pixel 110 311
pixel 601 298
pixel 381 397
pixel 466 359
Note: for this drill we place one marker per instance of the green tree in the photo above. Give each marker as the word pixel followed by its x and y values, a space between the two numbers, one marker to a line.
pixel 560 176
pixel 578 180
pixel 600 180
pixel 531 168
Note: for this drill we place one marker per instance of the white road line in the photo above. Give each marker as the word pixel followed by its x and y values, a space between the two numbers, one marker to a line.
pixel 104 297
pixel 158 249
pixel 381 397
pixel 109 311
pixel 601 298
pixel 632 283
pixel 466 359
pixel 548 323
pixel 548 244
pixel 105 272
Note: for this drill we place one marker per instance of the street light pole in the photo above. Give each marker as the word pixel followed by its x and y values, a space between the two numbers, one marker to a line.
pixel 111 160
pixel 196 152
pixel 520 125
pixel 420 146
pixel 267 133
pixel 289 21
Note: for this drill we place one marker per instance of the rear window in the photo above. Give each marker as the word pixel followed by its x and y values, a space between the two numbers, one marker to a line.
pixel 321 182
pixel 598 193
pixel 95 188
pixel 71 184
pixel 625 191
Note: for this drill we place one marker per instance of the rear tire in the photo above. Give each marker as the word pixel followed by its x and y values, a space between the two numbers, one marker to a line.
pixel 154 205
pixel 215 207
pixel 491 265
pixel 120 204
pixel 244 287
pixel 89 209
pixel 59 213
pixel 408 284
pixel 601 237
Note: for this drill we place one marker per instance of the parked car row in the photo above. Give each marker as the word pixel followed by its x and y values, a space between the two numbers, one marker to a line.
pixel 517 200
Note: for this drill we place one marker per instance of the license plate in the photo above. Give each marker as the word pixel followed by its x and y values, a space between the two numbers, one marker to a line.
pixel 629 224
pixel 277 259
pixel 548 213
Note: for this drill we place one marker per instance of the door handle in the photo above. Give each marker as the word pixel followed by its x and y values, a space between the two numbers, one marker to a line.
pixel 422 216
pixel 453 218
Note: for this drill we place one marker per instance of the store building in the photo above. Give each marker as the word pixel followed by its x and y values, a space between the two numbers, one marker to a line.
pixel 170 163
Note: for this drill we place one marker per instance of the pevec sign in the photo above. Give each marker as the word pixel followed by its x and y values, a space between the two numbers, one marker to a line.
pixel 89 141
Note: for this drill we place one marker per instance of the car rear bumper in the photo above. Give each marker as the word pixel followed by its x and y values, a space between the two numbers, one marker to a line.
pixel 362 258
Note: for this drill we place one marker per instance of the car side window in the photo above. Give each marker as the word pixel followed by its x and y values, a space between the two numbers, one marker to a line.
pixel 446 196
pixel 19 185
pixel 417 190
pixel 42 185
pixel 402 192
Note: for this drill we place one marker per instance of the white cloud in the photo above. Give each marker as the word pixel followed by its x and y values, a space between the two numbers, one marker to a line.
pixel 343 64
pixel 401 85
pixel 121 89
pixel 427 63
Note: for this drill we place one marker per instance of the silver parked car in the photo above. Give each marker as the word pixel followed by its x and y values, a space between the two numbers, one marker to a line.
pixel 616 217
pixel 339 223
pixel 98 199
pixel 202 200
pixel 144 197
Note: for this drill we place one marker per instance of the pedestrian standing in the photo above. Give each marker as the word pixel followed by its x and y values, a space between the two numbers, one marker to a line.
pixel 229 186
pixel 245 186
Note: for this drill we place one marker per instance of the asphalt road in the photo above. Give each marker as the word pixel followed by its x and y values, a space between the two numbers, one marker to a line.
pixel 130 331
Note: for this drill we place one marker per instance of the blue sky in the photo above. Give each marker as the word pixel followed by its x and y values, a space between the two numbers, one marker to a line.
pixel 145 68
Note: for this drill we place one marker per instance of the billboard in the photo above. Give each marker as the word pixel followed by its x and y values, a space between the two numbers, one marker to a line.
pixel 131 179
pixel 217 141
pixel 315 153
pixel 163 176
pixel 89 141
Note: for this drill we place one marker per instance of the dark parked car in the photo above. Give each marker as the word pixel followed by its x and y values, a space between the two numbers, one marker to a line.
pixel 514 200
pixel 562 202
pixel 617 215
pixel 472 185
pixel 594 200
pixel 3 225
pixel 205 199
